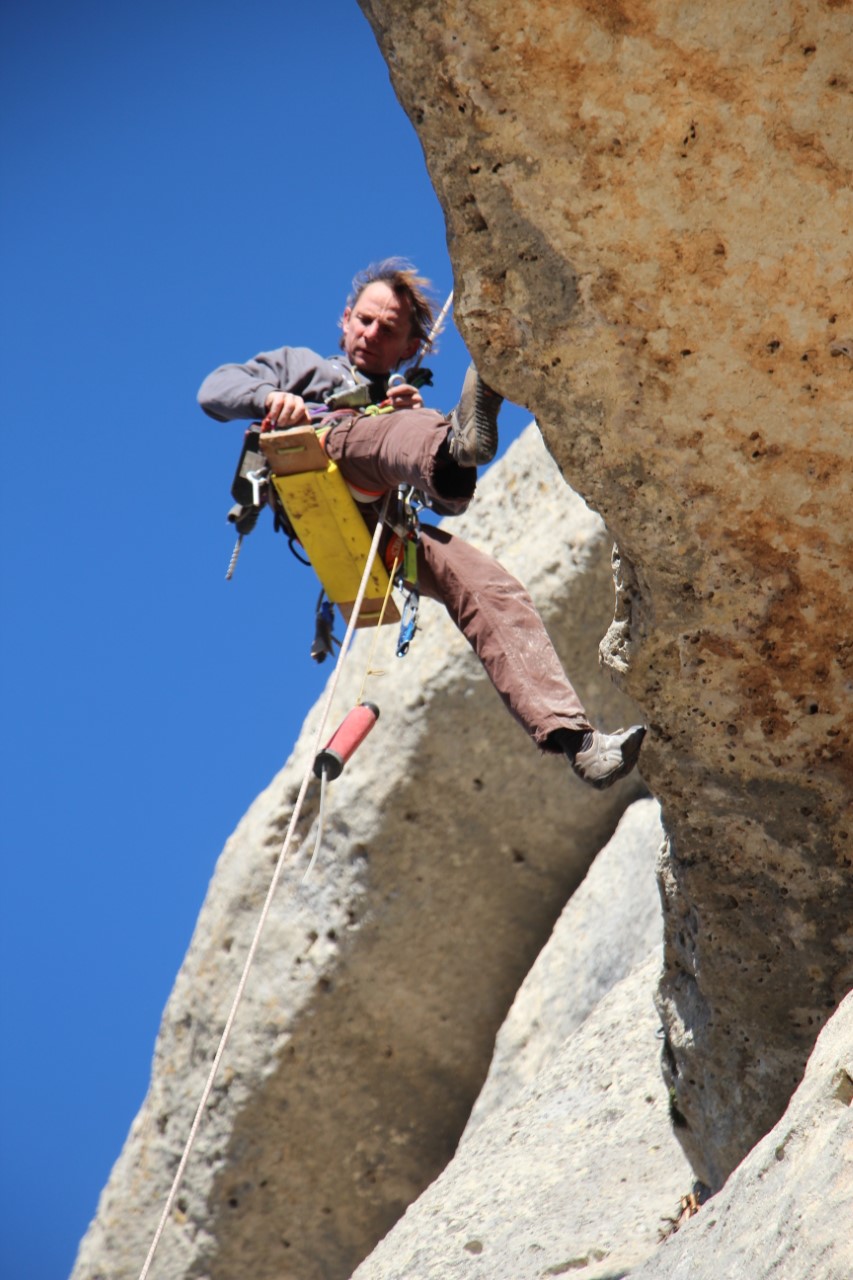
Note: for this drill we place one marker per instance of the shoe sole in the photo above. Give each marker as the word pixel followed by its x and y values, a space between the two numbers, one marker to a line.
pixel 630 755
pixel 486 424
pixel 475 423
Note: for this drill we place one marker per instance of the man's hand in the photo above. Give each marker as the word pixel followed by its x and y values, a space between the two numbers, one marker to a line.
pixel 405 397
pixel 283 409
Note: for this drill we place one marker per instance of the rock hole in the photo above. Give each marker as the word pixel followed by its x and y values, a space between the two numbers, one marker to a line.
pixel 844 1088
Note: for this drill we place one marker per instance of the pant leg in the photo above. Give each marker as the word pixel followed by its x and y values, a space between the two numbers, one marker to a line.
pixel 499 620
pixel 378 452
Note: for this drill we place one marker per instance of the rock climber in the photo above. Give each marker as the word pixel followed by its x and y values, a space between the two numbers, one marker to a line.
pixel 387 317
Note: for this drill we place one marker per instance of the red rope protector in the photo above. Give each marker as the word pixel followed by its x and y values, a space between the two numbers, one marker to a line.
pixel 344 741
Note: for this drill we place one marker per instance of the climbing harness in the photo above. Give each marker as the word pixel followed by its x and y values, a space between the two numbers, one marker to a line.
pixel 290 472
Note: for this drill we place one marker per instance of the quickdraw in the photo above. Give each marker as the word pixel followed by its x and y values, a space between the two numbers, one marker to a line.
pixel 409 624
pixel 325 640
pixel 403 551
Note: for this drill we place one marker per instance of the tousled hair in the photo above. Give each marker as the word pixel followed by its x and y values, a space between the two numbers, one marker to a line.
pixel 401 276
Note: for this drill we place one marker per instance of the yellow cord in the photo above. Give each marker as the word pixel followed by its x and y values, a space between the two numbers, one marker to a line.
pixel 370 670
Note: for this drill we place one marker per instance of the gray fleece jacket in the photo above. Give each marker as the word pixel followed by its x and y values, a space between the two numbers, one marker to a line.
pixel 240 390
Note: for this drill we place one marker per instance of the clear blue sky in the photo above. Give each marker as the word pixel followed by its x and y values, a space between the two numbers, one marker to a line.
pixel 182 184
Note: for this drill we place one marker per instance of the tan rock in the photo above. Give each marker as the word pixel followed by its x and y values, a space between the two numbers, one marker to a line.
pixel 649 211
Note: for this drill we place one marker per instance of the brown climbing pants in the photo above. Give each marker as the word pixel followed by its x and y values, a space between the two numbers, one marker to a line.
pixel 490 607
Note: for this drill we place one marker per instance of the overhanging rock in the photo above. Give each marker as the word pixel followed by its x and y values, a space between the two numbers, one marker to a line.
pixel 649 212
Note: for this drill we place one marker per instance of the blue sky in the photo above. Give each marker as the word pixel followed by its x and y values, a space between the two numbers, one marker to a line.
pixel 182 184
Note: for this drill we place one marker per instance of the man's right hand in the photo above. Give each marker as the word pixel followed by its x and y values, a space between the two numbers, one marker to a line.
pixel 283 409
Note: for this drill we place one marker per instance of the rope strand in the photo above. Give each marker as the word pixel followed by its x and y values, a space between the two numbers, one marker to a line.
pixel 244 977
pixel 370 670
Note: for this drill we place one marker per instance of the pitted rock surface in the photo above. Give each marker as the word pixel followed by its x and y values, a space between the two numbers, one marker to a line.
pixel 649 211
pixel 783 1214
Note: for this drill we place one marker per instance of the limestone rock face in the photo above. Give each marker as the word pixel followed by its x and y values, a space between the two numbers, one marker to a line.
pixel 649 213
pixel 568 1162
pixel 573 1177
pixel 367 1027
pixel 785 1212
pixel 609 926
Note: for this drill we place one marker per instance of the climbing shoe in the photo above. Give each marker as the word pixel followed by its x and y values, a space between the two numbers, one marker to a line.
pixel 473 435
pixel 600 759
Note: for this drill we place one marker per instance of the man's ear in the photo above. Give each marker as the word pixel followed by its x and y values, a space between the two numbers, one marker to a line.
pixel 411 350
pixel 345 317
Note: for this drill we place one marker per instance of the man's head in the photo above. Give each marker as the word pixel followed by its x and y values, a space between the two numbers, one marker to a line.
pixel 387 317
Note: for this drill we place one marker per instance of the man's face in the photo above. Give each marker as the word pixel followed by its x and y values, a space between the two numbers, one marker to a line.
pixel 378 330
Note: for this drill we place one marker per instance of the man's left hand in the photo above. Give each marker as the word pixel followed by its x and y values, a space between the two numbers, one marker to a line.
pixel 405 397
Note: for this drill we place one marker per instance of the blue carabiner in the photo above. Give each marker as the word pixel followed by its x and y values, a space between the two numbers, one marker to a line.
pixel 408 623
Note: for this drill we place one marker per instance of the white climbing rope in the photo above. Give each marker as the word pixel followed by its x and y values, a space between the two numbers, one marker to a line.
pixel 434 331
pixel 244 977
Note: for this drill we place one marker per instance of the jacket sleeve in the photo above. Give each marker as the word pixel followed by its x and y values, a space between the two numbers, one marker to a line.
pixel 240 390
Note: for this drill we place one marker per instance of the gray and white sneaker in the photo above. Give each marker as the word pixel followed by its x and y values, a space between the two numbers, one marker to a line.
pixel 474 423
pixel 607 757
